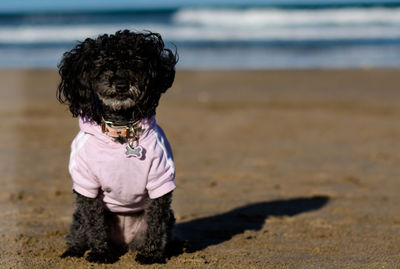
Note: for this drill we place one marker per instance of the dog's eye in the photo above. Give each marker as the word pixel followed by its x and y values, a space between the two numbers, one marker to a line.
pixel 110 83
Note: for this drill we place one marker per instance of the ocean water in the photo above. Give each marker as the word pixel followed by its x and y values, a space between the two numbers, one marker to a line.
pixel 214 34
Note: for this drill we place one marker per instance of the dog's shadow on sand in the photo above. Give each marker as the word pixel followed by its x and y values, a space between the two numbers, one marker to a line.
pixel 198 234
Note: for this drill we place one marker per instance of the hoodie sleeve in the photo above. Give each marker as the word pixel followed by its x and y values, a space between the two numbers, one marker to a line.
pixel 162 170
pixel 84 182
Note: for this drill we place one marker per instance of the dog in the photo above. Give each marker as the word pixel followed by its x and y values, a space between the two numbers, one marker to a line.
pixel 121 162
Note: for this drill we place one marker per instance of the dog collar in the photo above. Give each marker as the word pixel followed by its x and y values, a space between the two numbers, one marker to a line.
pixel 131 130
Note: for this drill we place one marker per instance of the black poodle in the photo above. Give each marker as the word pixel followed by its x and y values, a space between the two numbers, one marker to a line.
pixel 121 162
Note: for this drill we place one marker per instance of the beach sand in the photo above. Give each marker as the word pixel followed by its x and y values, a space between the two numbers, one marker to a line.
pixel 275 169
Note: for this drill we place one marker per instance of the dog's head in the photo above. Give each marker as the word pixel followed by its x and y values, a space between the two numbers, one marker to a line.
pixel 121 73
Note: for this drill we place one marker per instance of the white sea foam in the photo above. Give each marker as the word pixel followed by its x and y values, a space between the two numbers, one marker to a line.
pixel 177 33
pixel 37 34
pixel 236 25
pixel 255 18
pixel 372 26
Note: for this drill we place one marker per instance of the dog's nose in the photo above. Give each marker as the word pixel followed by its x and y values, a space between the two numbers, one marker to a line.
pixel 122 86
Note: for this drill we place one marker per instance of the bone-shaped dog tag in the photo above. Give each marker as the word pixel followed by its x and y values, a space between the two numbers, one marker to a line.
pixel 134 152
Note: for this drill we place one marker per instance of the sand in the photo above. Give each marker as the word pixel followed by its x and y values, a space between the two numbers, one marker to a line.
pixel 275 169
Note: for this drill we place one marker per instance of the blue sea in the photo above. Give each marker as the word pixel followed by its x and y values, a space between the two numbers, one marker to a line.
pixel 211 34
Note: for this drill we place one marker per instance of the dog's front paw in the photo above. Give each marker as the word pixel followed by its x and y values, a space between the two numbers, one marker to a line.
pixel 72 252
pixel 101 257
pixel 149 258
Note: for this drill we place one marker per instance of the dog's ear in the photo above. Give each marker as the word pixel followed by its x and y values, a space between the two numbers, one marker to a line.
pixel 160 73
pixel 163 62
pixel 167 69
pixel 75 89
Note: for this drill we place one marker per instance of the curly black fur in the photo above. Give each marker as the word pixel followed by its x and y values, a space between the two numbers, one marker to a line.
pixel 120 78
pixel 88 231
pixel 125 58
pixel 160 221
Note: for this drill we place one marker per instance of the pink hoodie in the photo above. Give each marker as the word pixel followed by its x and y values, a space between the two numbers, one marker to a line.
pixel 99 166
